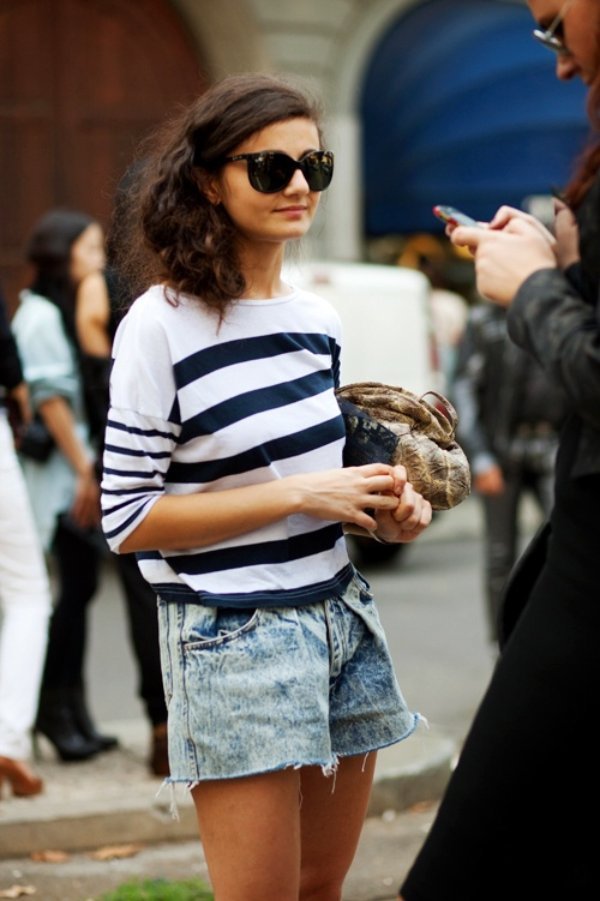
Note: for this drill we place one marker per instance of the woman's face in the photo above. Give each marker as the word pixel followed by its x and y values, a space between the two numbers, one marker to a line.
pixel 269 217
pixel 580 32
pixel 87 253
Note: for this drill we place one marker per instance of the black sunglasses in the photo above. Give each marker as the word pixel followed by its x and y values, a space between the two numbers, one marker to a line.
pixel 270 170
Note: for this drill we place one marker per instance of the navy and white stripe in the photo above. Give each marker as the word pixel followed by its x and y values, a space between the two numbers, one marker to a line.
pixel 198 406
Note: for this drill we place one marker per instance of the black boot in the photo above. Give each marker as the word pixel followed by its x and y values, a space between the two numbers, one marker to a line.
pixel 55 721
pixel 84 723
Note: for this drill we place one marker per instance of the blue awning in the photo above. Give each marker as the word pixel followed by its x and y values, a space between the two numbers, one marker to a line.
pixel 462 107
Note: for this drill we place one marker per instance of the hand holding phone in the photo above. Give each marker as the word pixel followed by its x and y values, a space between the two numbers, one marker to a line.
pixel 453 216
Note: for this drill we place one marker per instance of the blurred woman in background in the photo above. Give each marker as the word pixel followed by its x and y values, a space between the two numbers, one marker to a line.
pixel 64 247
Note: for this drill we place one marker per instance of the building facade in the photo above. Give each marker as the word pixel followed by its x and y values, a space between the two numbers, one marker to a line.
pixel 81 82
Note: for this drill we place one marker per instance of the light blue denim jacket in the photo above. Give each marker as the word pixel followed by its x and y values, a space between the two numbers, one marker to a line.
pixel 51 369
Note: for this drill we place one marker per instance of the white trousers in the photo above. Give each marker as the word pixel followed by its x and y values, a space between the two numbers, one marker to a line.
pixel 25 606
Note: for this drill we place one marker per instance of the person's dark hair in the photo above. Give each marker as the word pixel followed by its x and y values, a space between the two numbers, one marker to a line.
pixel 49 251
pixel 120 229
pixel 588 165
pixel 177 237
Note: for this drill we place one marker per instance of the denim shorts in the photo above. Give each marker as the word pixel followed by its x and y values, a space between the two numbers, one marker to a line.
pixel 255 690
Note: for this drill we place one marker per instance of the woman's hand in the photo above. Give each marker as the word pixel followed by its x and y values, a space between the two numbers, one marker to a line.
pixel 354 494
pixel 85 509
pixel 505 257
pixel 410 518
pixel 567 234
pixel 58 417
pixel 489 482
pixel 507 214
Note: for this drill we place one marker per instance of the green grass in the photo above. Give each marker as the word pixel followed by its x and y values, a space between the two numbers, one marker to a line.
pixel 160 890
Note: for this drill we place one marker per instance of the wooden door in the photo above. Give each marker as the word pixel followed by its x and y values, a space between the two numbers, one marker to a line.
pixel 81 81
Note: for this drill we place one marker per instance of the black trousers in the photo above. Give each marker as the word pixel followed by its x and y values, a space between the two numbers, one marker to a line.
pixel 77 568
pixel 78 562
pixel 142 615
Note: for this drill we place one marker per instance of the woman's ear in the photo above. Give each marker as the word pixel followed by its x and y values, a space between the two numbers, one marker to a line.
pixel 208 185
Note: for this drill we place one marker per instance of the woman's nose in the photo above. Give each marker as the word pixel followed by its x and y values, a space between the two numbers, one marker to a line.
pixel 298 183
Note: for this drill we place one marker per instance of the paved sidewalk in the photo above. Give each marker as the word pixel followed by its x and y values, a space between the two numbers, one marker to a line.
pixel 113 798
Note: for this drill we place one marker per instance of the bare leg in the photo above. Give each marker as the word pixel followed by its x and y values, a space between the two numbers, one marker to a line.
pixel 259 832
pixel 250 832
pixel 332 816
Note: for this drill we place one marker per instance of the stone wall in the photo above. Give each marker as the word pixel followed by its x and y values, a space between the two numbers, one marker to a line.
pixel 324 42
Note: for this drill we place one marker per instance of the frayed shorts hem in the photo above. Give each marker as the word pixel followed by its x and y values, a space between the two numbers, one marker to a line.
pixel 328 767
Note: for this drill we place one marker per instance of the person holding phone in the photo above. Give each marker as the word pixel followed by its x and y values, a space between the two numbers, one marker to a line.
pixel 223 472
pixel 514 822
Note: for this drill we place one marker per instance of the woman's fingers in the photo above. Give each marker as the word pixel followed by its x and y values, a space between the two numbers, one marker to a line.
pixel 379 478
pixel 413 511
pixel 407 520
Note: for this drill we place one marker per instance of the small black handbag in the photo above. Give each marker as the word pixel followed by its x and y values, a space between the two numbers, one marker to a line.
pixel 34 441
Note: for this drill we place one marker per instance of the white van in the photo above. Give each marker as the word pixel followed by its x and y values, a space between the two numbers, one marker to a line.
pixel 387 334
pixel 386 317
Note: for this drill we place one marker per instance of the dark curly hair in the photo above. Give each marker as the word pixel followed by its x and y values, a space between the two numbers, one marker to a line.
pixel 166 229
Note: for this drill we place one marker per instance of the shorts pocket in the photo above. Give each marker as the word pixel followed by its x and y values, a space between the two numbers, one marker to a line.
pixel 215 626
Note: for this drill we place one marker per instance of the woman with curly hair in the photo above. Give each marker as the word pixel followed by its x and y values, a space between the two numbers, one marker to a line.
pixel 223 471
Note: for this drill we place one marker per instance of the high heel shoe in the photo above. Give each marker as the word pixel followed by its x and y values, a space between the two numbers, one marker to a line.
pixel 22 781
pixel 84 723
pixel 56 722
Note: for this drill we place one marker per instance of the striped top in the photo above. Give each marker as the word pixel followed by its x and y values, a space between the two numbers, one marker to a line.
pixel 198 406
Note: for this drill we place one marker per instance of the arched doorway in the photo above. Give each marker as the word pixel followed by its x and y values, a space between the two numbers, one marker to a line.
pixel 460 106
pixel 81 81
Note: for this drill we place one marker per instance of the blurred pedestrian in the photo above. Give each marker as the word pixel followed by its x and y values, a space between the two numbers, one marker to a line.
pixel 223 470
pixel 63 248
pixel 102 297
pixel 509 414
pixel 25 600
pixel 515 819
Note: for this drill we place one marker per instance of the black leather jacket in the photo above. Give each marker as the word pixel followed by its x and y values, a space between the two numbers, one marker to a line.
pixel 499 390
pixel 555 317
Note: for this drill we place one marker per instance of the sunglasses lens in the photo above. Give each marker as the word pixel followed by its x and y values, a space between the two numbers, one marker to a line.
pixel 270 172
pixel 318 169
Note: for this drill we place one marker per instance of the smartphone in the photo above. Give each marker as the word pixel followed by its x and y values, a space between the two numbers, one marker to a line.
pixel 454 216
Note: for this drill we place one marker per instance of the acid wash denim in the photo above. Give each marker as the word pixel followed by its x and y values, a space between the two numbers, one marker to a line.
pixel 253 691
